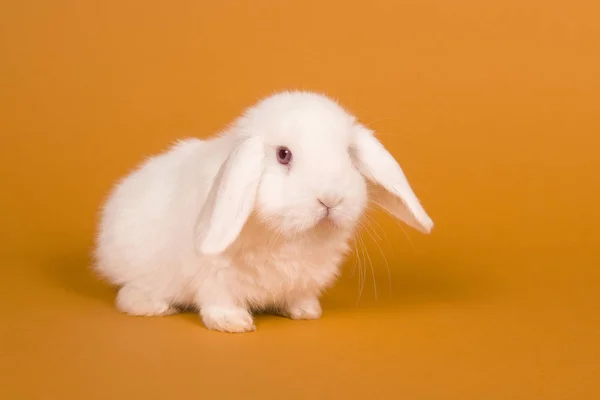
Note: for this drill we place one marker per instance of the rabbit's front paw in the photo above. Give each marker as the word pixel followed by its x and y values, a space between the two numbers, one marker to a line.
pixel 224 319
pixel 308 308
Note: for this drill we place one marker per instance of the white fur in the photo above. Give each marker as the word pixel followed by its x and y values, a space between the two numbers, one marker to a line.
pixel 221 225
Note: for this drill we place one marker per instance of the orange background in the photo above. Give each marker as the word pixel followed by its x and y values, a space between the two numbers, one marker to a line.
pixel 491 107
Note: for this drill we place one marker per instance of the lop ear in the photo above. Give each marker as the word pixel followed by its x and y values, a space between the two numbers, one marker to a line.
pixel 388 186
pixel 231 198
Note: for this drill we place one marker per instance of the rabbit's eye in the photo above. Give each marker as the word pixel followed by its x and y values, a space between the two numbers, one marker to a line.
pixel 284 155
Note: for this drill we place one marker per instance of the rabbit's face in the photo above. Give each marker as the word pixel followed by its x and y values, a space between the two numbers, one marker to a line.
pixel 309 178
pixel 301 162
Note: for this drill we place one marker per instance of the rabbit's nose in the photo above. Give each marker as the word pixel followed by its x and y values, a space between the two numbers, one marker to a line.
pixel 330 202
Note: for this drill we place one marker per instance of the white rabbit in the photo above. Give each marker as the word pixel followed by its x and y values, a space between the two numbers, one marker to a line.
pixel 257 218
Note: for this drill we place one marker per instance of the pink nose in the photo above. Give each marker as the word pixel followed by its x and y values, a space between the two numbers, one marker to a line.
pixel 330 202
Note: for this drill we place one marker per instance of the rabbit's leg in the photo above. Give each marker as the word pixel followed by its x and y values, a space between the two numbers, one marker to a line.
pixel 134 301
pixel 303 307
pixel 220 312
pixel 221 302
pixel 227 318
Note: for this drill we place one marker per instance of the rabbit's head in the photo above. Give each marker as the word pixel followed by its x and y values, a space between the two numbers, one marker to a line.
pixel 301 162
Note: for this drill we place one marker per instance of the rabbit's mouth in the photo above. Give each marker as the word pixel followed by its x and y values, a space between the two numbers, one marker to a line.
pixel 331 220
pixel 327 221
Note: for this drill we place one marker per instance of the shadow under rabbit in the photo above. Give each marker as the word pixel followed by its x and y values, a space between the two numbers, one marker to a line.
pixel 411 284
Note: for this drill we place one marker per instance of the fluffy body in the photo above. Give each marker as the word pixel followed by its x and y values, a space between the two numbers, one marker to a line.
pixel 220 225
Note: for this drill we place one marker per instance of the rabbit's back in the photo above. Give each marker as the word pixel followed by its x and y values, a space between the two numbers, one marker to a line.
pixel 146 224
